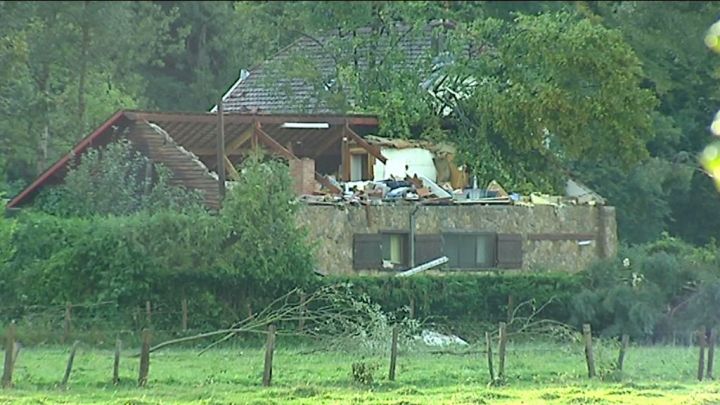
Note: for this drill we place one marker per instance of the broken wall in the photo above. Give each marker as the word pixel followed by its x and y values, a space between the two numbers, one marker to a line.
pixel 566 238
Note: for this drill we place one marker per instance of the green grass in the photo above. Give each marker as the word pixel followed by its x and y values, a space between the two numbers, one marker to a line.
pixel 536 373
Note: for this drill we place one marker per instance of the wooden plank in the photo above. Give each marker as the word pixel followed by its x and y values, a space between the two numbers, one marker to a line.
pixel 275 147
pixel 240 118
pixel 231 169
pixel 332 140
pixel 373 150
pixel 345 159
pixel 237 143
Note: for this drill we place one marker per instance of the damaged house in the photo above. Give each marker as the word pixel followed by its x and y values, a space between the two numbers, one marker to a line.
pixel 372 204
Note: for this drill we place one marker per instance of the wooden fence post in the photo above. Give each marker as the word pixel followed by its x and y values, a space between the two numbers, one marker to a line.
pixel 710 353
pixel 116 363
pixel 9 349
pixel 67 324
pixel 501 349
pixel 16 353
pixel 148 313
pixel 624 342
pixel 269 349
pixel 701 358
pixel 587 337
pixel 488 348
pixel 184 314
pixel 71 359
pixel 144 358
pixel 393 353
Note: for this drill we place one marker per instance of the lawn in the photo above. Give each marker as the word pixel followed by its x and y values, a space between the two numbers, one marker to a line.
pixel 536 373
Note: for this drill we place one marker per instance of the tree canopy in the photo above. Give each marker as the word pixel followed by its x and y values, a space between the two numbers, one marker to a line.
pixel 530 91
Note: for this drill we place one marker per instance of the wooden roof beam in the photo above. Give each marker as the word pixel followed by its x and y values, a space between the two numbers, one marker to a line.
pixel 375 151
pixel 240 118
pixel 231 169
pixel 274 146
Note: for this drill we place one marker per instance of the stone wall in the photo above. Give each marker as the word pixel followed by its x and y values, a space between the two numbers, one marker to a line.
pixel 564 238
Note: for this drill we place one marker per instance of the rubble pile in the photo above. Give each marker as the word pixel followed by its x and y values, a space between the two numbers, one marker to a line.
pixel 419 189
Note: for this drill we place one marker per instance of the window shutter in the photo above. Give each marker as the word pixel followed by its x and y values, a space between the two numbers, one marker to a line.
pixel 509 251
pixel 427 247
pixel 367 252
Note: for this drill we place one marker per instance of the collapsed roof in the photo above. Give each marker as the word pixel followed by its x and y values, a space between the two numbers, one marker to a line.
pixel 187 143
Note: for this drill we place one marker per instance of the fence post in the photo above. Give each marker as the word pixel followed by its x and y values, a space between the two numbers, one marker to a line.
pixel 488 346
pixel 710 353
pixel 116 363
pixel 67 324
pixel 701 358
pixel 68 369
pixel 184 315
pixel 16 353
pixel 587 337
pixel 148 313
pixel 501 349
pixel 269 349
pixel 144 358
pixel 9 349
pixel 393 353
pixel 624 342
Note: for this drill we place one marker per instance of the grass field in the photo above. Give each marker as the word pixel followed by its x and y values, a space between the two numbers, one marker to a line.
pixel 536 373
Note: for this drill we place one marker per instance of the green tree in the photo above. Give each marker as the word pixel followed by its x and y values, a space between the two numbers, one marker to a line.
pixel 116 180
pixel 264 246
pixel 549 89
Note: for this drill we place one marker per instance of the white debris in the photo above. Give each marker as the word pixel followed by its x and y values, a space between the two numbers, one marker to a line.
pixel 432 338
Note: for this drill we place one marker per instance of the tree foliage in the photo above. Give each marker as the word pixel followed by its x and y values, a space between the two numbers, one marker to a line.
pixel 649 290
pixel 116 180
pixel 264 245
pixel 557 86
pixel 550 89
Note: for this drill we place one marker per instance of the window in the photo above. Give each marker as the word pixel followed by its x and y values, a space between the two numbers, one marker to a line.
pixel 395 249
pixel 359 167
pixel 470 250
pixel 389 250
pixel 465 250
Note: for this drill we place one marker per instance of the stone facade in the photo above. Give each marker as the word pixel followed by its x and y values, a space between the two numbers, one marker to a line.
pixel 565 238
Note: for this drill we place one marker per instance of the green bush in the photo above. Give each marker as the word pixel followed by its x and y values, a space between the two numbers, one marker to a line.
pixel 650 290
